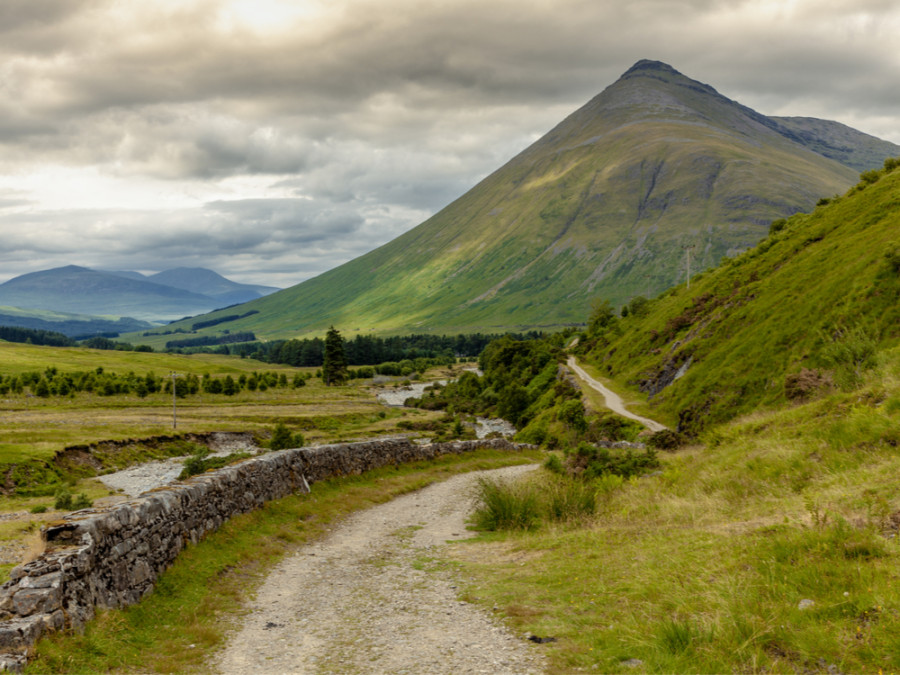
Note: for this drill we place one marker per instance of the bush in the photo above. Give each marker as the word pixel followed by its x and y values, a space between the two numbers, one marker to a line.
pixel 806 384
pixel 590 461
pixel 200 462
pixel 666 440
pixel 82 502
pixel 892 255
pixel 554 464
pixel 283 439
pixel 850 353
pixel 40 508
pixel 62 500
pixel 194 465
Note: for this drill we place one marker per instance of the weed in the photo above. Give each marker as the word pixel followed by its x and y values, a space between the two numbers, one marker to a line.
pixel 505 506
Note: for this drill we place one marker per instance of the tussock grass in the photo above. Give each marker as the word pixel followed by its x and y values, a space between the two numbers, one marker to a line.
pixel 703 568
pixel 527 503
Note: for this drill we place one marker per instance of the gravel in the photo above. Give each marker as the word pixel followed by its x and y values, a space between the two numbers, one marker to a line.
pixel 360 602
pixel 138 479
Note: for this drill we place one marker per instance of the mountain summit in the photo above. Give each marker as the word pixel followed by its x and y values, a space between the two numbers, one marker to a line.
pixel 607 204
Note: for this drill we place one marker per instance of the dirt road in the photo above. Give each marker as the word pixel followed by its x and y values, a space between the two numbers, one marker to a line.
pixel 360 601
pixel 613 401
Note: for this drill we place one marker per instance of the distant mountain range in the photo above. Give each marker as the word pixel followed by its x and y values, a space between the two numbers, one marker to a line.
pixel 608 204
pixel 168 295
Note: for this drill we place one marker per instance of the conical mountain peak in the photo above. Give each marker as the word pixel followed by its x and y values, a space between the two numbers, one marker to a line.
pixel 601 206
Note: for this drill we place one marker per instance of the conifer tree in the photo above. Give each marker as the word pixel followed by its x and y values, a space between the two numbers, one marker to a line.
pixel 334 366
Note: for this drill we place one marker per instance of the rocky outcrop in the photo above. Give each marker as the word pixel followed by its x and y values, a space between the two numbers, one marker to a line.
pixel 112 557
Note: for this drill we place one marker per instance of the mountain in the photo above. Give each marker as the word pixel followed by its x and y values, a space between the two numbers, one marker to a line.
pixel 81 290
pixel 807 309
pixel 211 284
pixel 607 204
pixel 161 297
pixel 839 142
pixel 70 325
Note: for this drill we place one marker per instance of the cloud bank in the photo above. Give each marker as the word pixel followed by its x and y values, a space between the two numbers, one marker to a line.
pixel 272 140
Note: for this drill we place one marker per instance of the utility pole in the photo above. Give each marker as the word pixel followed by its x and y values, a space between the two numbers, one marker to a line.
pixel 687 252
pixel 174 408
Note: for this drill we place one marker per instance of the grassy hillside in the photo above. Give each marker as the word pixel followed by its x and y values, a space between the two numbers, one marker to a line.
pixel 604 204
pixel 772 548
pixel 808 307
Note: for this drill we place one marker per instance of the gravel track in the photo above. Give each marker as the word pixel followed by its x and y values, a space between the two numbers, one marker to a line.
pixel 613 401
pixel 359 602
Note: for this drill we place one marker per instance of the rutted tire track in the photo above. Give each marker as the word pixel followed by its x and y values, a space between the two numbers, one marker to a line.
pixel 357 602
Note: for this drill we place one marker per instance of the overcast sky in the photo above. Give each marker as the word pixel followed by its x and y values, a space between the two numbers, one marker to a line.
pixel 272 140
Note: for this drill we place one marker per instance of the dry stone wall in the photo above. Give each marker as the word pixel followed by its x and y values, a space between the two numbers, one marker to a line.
pixel 112 557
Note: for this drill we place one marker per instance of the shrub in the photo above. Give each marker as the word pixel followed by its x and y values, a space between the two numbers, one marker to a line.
pixel 40 508
pixel 666 440
pixel 806 384
pixel 870 176
pixel 62 500
pixel 590 461
pixel 200 462
pixel 82 502
pixel 282 438
pixel 554 464
pixel 194 465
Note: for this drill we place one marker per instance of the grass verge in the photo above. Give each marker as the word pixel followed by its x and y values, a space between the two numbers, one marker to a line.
pixel 180 625
pixel 771 548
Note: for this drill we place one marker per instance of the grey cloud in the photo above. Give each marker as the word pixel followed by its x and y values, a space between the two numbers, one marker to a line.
pixel 375 119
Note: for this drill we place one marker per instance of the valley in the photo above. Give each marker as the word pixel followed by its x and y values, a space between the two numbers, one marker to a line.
pixel 711 481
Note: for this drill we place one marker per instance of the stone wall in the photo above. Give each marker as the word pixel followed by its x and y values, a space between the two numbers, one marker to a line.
pixel 111 557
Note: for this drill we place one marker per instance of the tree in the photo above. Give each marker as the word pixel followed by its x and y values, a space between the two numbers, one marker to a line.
pixel 334 366
pixel 602 316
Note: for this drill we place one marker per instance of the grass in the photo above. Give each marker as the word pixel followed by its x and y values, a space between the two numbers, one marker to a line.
pixel 816 294
pixel 179 626
pixel 703 568
pixel 34 430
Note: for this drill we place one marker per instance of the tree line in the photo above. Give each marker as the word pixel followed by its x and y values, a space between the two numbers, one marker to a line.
pixel 369 350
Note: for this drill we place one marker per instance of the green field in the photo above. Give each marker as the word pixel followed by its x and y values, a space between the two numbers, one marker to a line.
pixel 35 431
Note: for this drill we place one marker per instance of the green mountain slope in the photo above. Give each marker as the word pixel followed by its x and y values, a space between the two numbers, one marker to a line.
pixel 808 308
pixel 601 206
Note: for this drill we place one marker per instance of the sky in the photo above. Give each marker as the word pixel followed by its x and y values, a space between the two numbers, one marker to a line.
pixel 272 140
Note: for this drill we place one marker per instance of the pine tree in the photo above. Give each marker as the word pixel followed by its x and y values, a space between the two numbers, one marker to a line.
pixel 334 366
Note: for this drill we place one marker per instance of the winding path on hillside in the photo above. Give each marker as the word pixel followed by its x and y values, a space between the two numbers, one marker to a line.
pixel 613 401
pixel 360 600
